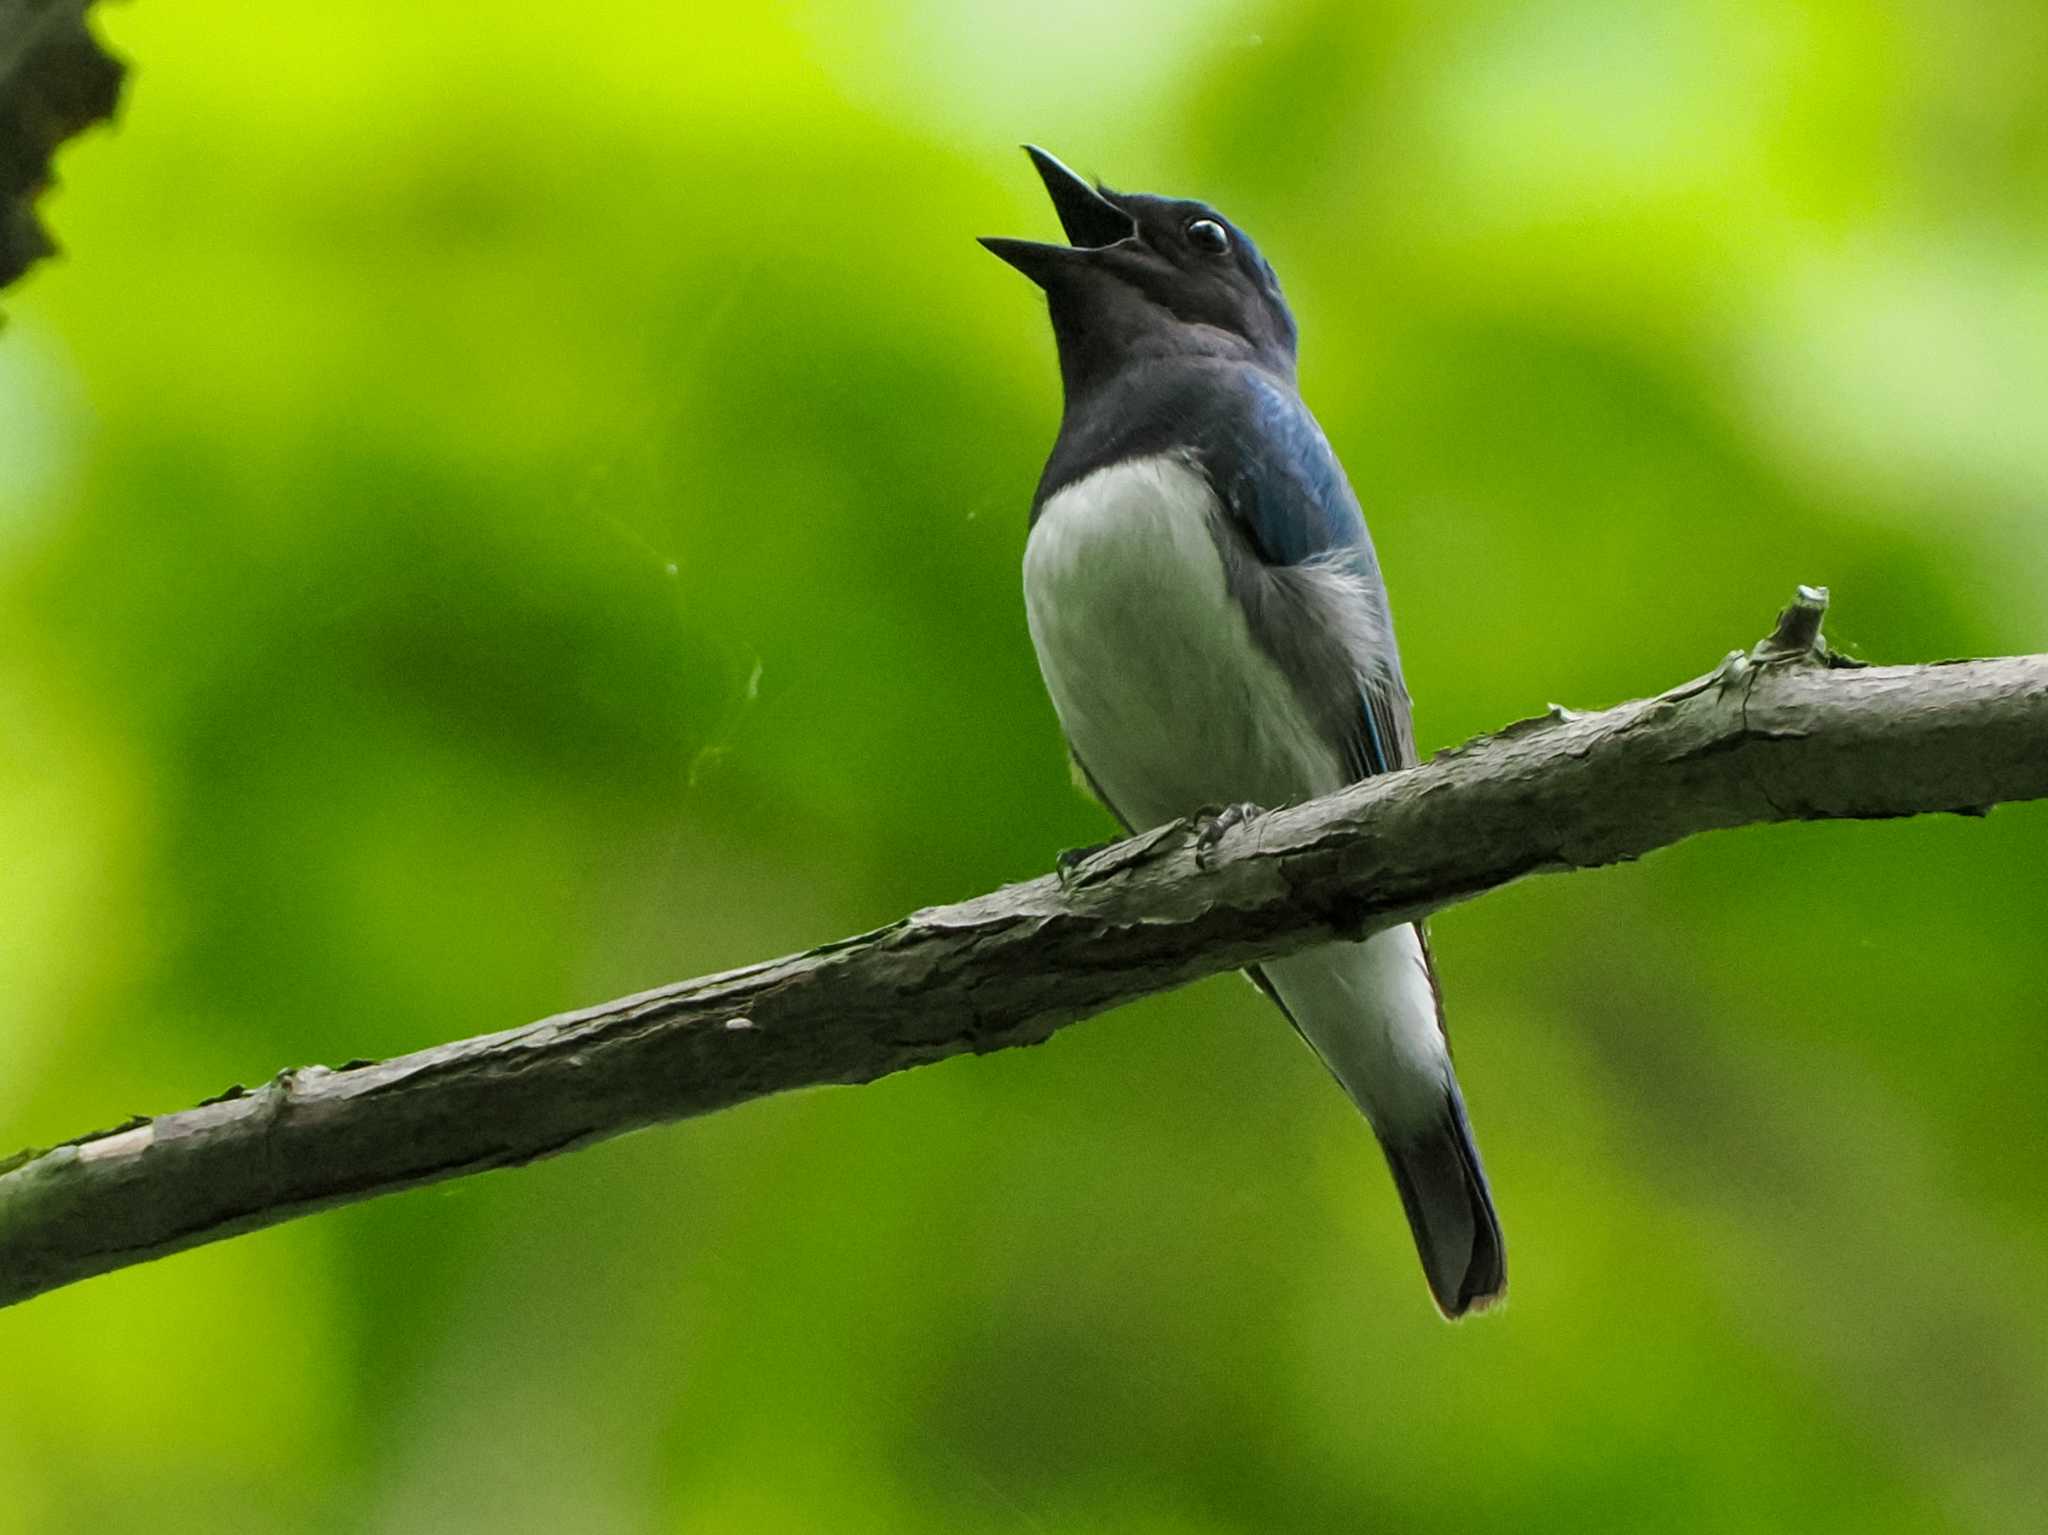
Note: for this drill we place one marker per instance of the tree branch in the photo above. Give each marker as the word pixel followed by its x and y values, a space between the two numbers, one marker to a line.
pixel 55 81
pixel 1785 732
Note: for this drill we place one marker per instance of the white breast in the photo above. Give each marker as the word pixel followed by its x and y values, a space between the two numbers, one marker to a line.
pixel 1166 698
pixel 1171 706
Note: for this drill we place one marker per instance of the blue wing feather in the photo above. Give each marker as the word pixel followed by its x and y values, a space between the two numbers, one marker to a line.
pixel 1283 484
pixel 1302 506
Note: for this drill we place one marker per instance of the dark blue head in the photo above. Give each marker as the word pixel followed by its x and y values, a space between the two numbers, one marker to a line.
pixel 1149 277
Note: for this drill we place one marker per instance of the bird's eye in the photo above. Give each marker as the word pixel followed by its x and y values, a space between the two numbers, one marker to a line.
pixel 1208 235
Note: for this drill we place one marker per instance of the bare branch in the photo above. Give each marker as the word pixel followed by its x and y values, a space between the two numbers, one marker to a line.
pixel 1785 732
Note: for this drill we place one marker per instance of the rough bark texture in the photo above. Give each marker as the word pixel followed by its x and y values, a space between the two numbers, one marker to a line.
pixel 54 82
pixel 1785 732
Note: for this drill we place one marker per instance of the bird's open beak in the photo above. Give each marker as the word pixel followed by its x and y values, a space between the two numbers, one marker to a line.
pixel 1090 219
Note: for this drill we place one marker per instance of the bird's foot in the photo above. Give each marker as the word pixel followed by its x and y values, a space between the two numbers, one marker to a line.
pixel 1068 864
pixel 1213 823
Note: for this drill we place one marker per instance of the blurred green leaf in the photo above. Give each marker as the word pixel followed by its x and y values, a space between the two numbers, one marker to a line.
pixel 493 517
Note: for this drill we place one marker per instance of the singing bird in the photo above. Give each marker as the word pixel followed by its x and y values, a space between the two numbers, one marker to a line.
pixel 1211 623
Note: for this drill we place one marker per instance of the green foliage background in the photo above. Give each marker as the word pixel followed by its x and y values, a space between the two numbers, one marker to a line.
pixel 505 507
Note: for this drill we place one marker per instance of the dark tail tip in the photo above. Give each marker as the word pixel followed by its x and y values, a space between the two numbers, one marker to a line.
pixel 1443 1189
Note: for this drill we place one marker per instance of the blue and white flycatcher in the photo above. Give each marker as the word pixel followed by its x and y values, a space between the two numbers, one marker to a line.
pixel 1212 626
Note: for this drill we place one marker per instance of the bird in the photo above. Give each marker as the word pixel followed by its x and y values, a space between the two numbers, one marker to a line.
pixel 1213 628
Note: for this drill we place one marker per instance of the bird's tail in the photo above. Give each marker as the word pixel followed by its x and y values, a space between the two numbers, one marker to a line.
pixel 1371 1011
pixel 1443 1189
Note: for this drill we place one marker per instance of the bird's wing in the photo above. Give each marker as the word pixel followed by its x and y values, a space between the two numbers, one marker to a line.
pixel 1312 585
pixel 1313 596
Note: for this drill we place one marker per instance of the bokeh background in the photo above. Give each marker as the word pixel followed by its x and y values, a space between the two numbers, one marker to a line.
pixel 502 509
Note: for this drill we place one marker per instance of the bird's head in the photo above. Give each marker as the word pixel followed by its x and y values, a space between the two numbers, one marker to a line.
pixel 1147 276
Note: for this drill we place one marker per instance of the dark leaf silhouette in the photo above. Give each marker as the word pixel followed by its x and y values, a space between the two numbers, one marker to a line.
pixel 55 82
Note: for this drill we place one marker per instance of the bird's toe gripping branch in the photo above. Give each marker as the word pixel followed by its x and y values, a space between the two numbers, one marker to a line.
pixel 1213 823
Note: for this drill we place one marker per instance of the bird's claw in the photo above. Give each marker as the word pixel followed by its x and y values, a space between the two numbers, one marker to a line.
pixel 1214 823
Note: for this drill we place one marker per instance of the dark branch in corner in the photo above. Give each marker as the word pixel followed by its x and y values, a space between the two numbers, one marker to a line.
pixel 1784 732
pixel 55 81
